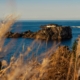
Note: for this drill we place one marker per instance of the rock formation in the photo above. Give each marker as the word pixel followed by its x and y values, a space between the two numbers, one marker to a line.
pixel 54 32
pixel 47 32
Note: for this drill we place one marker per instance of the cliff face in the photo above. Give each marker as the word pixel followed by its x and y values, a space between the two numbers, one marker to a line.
pixel 47 32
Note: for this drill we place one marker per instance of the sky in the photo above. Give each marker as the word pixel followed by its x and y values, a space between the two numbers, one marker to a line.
pixel 41 9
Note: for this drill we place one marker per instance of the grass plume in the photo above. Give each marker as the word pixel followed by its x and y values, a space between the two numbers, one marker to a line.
pixel 58 63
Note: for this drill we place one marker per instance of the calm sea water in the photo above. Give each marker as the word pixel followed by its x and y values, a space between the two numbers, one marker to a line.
pixel 34 25
pixel 22 26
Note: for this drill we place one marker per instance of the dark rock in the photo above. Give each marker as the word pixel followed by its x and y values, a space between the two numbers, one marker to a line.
pixel 8 34
pixel 47 32
pixel 54 32
pixel 27 34
pixel 15 35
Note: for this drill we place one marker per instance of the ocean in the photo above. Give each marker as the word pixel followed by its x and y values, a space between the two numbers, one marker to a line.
pixel 34 25
pixel 20 45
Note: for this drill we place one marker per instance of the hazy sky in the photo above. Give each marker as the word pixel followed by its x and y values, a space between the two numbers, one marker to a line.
pixel 41 9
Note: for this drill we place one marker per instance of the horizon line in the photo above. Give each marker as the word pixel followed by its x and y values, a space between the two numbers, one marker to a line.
pixel 48 19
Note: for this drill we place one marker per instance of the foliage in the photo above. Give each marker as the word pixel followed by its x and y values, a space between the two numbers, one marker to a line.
pixel 74 47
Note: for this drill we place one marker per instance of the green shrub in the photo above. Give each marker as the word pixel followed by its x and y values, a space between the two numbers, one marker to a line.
pixel 74 47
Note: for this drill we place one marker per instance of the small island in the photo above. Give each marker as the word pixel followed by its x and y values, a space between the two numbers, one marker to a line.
pixel 47 32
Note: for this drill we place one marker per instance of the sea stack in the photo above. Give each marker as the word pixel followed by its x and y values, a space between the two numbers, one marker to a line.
pixel 54 32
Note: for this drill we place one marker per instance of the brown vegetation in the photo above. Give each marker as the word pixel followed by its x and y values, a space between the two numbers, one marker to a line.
pixel 55 64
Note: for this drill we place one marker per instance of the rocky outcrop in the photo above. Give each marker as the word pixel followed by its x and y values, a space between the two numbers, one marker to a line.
pixel 28 34
pixel 54 32
pixel 13 35
pixel 47 32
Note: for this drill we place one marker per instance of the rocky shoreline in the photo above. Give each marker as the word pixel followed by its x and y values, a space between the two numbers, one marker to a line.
pixel 47 32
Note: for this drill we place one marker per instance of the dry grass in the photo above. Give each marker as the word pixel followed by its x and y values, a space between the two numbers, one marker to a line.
pixel 55 64
pixel 5 26
pixel 59 66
